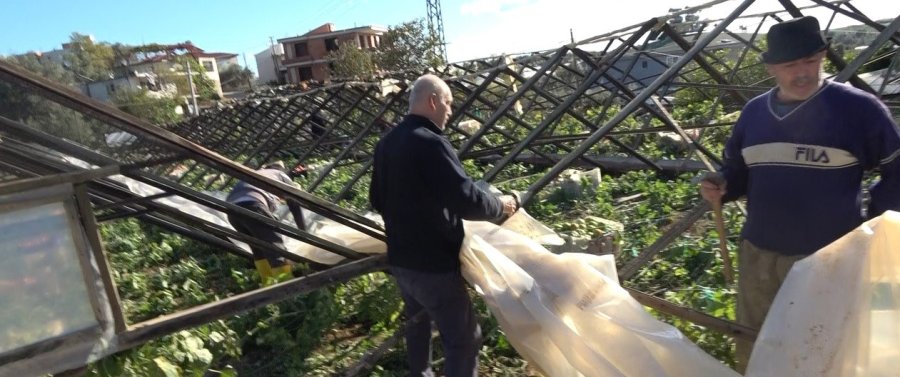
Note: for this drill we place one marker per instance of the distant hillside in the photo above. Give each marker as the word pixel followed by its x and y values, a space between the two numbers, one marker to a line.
pixel 850 37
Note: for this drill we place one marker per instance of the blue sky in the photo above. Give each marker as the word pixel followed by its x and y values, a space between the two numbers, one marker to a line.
pixel 473 28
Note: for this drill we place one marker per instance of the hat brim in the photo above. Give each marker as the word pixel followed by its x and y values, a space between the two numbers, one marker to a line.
pixel 769 58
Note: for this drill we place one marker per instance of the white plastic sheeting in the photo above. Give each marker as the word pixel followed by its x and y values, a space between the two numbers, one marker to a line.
pixel 336 233
pixel 838 312
pixel 567 315
pixel 317 225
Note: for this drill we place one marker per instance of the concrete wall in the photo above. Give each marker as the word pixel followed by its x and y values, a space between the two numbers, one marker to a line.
pixel 268 64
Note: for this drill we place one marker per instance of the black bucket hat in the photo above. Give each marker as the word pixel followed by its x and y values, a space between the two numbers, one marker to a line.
pixel 794 39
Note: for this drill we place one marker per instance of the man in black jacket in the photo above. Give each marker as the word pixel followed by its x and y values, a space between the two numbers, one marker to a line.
pixel 270 265
pixel 423 194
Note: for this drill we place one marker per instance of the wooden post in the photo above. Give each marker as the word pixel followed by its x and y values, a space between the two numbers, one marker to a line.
pixel 723 243
pixel 723 326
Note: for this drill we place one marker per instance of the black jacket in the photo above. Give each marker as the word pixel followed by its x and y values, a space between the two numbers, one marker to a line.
pixel 423 194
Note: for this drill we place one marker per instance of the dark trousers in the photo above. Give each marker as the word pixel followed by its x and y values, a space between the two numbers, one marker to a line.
pixel 259 230
pixel 444 298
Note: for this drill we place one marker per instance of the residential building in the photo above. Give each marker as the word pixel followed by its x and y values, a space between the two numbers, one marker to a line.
pixel 104 90
pixel 149 69
pixel 167 64
pixel 305 56
pixel 645 66
pixel 268 65
pixel 224 61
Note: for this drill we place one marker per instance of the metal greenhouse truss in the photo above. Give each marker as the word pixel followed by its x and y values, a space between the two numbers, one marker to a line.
pixel 601 102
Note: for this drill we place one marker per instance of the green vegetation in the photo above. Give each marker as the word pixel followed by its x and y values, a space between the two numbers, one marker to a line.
pixel 405 47
pixel 204 87
pixel 235 78
pixel 351 62
pixel 142 104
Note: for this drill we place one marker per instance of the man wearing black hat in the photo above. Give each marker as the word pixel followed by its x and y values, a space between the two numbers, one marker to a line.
pixel 798 153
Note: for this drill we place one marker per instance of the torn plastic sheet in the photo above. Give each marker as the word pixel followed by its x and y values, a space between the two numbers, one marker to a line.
pixel 567 314
pixel 838 312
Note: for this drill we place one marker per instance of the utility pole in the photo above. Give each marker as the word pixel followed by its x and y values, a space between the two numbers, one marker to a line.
pixel 436 26
pixel 195 111
pixel 246 67
pixel 275 65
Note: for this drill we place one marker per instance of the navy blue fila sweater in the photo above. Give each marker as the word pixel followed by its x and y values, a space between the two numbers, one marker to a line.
pixel 802 172
pixel 419 187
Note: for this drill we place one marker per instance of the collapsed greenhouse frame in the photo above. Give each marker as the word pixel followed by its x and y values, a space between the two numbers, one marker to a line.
pixel 497 102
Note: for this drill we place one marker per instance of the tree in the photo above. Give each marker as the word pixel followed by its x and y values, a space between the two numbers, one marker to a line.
pixel 18 104
pixel 408 46
pixel 88 60
pixel 235 77
pixel 204 87
pixel 405 47
pixel 351 62
pixel 140 103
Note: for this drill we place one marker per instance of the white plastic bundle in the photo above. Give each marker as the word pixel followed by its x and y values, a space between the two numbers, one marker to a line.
pixel 567 315
pixel 838 312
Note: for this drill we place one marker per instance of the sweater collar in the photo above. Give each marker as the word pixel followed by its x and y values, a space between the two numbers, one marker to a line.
pixel 773 98
pixel 421 121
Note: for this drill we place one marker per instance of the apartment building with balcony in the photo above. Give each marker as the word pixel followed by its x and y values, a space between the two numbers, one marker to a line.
pixel 305 56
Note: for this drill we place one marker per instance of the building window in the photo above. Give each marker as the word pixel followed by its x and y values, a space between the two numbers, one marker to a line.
pixel 362 41
pixel 111 88
pixel 331 44
pixel 644 64
pixel 300 50
pixel 306 73
pixel 208 66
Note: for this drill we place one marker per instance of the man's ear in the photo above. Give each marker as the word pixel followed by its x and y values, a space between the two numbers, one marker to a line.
pixel 432 101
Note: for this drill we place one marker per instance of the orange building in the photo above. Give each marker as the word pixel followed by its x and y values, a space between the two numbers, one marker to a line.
pixel 305 55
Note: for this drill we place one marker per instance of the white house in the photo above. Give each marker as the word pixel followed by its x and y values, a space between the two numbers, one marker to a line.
pixel 268 64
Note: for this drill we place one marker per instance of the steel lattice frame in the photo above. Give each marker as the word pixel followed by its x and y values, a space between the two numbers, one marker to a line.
pixel 586 104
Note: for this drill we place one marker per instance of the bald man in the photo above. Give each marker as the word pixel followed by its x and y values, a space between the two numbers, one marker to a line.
pixel 423 194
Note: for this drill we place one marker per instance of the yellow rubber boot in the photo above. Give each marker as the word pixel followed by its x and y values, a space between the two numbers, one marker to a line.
pixel 282 273
pixel 265 271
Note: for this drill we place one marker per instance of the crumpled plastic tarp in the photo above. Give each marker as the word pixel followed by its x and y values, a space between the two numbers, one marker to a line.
pixel 838 312
pixel 567 314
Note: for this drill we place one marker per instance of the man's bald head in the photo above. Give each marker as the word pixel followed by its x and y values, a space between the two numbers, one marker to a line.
pixel 430 97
